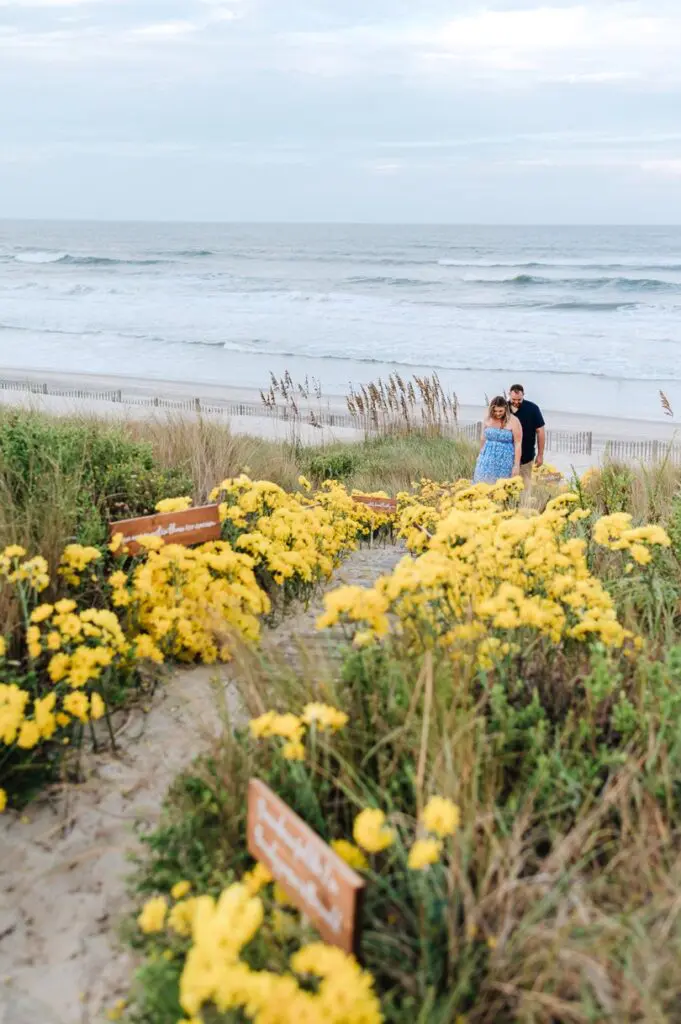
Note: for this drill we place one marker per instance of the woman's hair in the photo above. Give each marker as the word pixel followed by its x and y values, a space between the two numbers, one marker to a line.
pixel 499 403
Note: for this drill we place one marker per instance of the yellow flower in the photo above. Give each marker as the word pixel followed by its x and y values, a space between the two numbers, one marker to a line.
pixel 180 890
pixel 324 716
pixel 146 648
pixel 174 505
pixel 294 751
pixel 440 816
pixel 181 916
pixel 640 554
pixel 3 800
pixel 43 715
pixel 150 542
pixel 153 915
pixel 29 736
pixel 3 647
pixel 288 726
pixel 423 853
pixel 77 704
pixel 257 878
pixel 14 551
pixel 371 832
pixel 42 612
pixel 304 483
pixel 53 641
pixel 350 853
pixel 97 706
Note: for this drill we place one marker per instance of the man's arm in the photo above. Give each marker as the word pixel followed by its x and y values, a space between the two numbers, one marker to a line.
pixel 541 441
pixel 517 429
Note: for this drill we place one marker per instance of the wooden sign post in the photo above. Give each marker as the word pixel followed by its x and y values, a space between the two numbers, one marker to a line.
pixel 315 878
pixel 192 526
pixel 387 505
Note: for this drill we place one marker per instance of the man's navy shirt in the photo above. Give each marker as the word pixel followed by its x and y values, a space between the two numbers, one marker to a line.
pixel 531 420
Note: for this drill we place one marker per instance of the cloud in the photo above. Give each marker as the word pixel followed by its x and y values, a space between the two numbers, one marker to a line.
pixel 669 168
pixel 35 4
pixel 380 97
pixel 599 43
pixel 164 30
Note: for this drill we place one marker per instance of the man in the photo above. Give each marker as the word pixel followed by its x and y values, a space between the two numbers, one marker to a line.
pixel 534 434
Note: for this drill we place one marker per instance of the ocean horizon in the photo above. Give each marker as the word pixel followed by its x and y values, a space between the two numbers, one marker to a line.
pixel 594 310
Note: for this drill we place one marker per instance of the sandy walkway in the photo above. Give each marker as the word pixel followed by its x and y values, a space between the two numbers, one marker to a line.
pixel 64 865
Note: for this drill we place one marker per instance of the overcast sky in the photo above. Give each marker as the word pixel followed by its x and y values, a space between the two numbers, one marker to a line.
pixel 509 111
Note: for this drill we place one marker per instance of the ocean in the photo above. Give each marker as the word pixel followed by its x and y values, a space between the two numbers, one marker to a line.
pixel 591 317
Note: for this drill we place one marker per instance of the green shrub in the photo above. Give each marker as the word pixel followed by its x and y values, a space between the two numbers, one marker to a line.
pixel 63 480
pixel 333 465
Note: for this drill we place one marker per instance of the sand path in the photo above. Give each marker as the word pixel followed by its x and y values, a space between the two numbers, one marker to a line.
pixel 64 863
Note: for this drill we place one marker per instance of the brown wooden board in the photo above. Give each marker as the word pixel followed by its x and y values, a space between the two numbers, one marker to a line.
pixel 316 880
pixel 377 504
pixel 193 526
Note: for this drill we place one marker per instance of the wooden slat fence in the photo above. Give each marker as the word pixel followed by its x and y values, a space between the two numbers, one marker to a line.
pixel 563 441
pixel 643 451
pixel 569 442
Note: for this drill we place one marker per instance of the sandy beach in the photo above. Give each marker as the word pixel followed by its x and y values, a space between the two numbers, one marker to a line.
pixel 138 394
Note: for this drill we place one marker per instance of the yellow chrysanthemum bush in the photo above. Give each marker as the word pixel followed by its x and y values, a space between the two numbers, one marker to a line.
pixel 230 963
pixel 164 602
pixel 59 666
pixel 491 581
pixel 188 604
pixel 295 540
pixel 245 946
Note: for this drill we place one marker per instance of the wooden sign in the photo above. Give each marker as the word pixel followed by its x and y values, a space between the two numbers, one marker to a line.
pixel 192 526
pixel 387 505
pixel 314 878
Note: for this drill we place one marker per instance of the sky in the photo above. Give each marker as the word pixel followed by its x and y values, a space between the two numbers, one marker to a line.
pixel 420 111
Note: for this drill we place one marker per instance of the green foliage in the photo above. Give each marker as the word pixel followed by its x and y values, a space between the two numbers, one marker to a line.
pixel 333 465
pixel 674 526
pixel 77 473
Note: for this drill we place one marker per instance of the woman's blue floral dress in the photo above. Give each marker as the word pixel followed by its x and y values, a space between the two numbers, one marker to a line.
pixel 495 461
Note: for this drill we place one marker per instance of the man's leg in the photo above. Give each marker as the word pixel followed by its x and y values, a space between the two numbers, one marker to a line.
pixel 526 477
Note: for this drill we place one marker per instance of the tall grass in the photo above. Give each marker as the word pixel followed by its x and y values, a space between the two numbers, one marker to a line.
pixel 399 407
pixel 646 491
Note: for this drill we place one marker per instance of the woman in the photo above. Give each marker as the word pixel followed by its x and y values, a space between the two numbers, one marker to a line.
pixel 500 444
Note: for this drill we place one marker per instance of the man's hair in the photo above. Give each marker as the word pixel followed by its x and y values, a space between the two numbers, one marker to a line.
pixel 518 387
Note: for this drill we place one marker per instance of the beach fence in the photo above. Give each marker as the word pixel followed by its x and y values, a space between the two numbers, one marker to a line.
pixel 559 441
pixel 570 442
pixel 643 451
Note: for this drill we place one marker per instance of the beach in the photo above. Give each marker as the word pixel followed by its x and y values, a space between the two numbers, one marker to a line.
pixel 585 318
pixel 138 395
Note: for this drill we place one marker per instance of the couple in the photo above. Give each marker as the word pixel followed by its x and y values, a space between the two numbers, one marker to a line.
pixel 512 435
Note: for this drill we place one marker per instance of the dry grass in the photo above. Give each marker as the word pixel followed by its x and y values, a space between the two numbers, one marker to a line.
pixel 209 452
pixel 399 407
